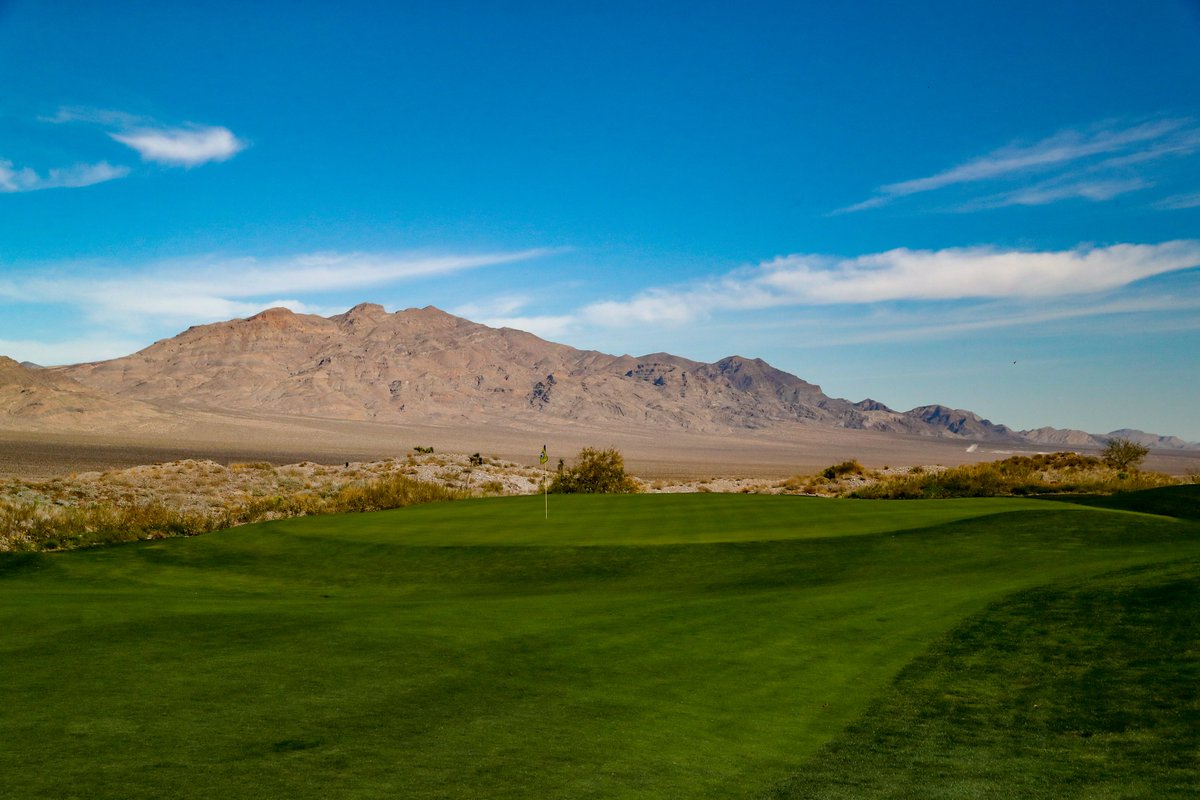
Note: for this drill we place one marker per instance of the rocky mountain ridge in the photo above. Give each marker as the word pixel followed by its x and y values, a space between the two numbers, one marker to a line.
pixel 45 399
pixel 429 367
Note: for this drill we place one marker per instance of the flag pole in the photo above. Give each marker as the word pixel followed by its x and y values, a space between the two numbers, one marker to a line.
pixel 544 457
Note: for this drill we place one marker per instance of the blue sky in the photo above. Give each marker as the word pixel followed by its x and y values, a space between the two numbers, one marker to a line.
pixel 891 200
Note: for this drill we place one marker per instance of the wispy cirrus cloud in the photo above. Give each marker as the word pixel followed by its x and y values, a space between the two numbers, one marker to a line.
pixel 69 351
pixel 1052 191
pixel 185 145
pixel 1180 201
pixel 208 289
pixel 26 179
pixel 506 311
pixel 953 274
pixel 969 320
pixel 1096 163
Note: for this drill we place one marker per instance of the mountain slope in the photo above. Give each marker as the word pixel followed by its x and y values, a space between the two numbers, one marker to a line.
pixel 424 366
pixel 429 365
pixel 41 399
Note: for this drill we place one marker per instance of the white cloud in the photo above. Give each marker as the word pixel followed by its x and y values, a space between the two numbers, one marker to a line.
pixel 503 311
pixel 186 147
pixel 547 327
pixel 28 180
pixel 1100 150
pixel 1180 201
pixel 1053 191
pixel 902 275
pixel 95 116
pixel 972 320
pixel 501 306
pixel 69 351
pixel 1088 190
pixel 198 290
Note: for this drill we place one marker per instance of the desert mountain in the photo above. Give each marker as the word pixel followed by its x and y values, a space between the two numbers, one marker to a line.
pixel 41 399
pixel 424 366
pixel 429 366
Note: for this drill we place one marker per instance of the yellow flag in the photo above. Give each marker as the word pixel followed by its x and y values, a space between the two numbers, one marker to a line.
pixel 543 458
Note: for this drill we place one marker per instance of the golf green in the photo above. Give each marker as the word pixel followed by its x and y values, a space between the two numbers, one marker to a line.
pixel 628 646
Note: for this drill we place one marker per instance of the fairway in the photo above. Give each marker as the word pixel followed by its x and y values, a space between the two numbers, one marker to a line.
pixel 668 646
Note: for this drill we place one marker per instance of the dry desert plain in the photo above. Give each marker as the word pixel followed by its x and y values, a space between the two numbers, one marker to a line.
pixel 649 454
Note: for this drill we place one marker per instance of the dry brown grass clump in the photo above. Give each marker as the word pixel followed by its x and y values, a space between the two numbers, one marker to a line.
pixel 1047 473
pixel 184 498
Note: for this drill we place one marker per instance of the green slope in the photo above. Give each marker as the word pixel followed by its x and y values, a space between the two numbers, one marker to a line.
pixel 1182 502
pixel 1080 691
pixel 654 646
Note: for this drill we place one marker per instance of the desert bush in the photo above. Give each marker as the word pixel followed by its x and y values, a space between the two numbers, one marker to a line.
pixel 424 450
pixel 595 472
pixel 491 487
pixel 1018 475
pixel 37 526
pixel 1124 454
pixel 851 467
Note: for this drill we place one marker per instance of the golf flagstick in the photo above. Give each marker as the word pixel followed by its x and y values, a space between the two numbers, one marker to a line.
pixel 544 457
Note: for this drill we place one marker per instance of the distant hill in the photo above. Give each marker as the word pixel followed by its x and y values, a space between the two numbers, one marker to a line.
pixel 43 399
pixel 424 366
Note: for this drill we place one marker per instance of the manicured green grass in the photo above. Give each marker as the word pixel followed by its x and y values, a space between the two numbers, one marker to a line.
pixel 634 646
pixel 1174 501
pixel 1081 691
pixel 652 519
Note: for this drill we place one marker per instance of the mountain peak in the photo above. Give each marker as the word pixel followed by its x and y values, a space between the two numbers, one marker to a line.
pixel 424 366
pixel 277 318
pixel 277 312
pixel 366 309
pixel 363 313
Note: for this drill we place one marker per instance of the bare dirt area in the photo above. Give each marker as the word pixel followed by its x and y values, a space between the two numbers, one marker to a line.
pixel 653 455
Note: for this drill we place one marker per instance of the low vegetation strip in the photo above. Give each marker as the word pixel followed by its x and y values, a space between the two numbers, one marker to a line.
pixel 421 653
pixel 1090 690
pixel 38 524
pixel 188 497
pixel 1051 473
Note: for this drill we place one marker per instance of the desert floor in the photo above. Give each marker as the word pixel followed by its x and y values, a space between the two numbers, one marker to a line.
pixel 648 454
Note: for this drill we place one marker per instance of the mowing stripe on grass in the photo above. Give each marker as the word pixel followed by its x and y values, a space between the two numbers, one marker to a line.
pixel 419 654
pixel 1078 691
pixel 645 520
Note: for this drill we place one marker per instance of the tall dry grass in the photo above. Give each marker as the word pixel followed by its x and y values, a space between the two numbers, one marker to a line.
pixel 1019 475
pixel 31 525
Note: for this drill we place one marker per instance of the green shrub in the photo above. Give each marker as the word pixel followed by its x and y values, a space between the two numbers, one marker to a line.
pixel 595 472
pixel 851 467
pixel 1124 454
